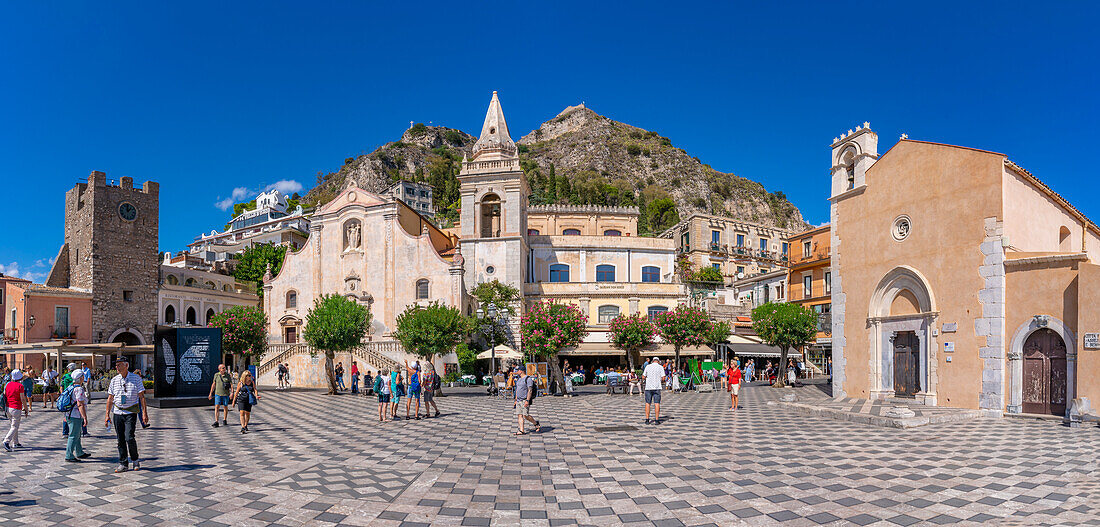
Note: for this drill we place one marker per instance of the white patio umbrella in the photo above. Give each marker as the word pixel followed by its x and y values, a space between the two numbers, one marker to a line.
pixel 503 352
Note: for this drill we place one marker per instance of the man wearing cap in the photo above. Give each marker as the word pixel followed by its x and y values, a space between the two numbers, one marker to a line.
pixel 76 417
pixel 125 402
pixel 18 405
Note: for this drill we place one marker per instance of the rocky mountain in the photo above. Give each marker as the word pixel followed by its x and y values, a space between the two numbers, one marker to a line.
pixel 578 157
pixel 587 146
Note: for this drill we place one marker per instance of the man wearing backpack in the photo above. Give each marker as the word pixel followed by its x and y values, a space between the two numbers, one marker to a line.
pixel 66 381
pixel 73 405
pixel 526 391
pixel 219 392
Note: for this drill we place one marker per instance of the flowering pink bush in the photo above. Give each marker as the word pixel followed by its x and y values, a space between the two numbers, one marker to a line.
pixel 244 330
pixel 548 327
pixel 683 326
pixel 630 334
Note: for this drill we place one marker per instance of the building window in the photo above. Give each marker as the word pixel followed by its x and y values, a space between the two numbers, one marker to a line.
pixel 740 270
pixel 740 240
pixel 191 316
pixel 61 322
pixel 172 280
pixel 490 216
pixel 559 273
pixel 571 232
pixel 785 248
pixel 715 237
pixel 169 315
pixel 532 232
pixel 612 232
pixel 190 282
pixel 806 248
pixel 763 244
pixel 605 273
pixel 807 286
pixel 1 296
pixel 653 311
pixel 291 299
pixel 608 313
pixel 828 282
pixel 210 285
pixel 717 267
pixel 779 291
pixel 685 241
pixel 422 289
pixel 127 296
pixel 651 273
pixel 209 316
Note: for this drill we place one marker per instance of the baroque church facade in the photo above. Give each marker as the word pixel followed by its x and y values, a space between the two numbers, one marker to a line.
pixel 387 255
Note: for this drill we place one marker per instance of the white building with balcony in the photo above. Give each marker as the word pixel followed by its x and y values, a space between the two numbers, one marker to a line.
pixel 270 222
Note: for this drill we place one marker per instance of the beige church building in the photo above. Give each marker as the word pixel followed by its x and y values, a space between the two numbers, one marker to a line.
pixel 959 279
pixel 387 255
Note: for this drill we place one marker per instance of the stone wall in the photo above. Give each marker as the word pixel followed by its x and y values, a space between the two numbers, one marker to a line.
pixel 991 323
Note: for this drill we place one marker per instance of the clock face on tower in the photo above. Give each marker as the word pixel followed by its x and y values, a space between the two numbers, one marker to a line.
pixel 127 211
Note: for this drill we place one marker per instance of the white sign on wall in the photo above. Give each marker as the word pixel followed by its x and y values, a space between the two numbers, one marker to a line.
pixel 948 347
pixel 1092 341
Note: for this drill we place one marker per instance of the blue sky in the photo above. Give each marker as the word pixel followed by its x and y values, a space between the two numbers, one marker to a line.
pixel 210 97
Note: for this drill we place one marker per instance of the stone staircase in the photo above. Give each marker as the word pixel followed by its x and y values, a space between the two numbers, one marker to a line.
pixel 378 355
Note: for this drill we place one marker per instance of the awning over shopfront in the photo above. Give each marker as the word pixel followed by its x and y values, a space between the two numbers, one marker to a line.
pixel 749 346
pixel 63 350
pixel 594 349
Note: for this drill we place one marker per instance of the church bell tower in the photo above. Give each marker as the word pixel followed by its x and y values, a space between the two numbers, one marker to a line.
pixel 494 206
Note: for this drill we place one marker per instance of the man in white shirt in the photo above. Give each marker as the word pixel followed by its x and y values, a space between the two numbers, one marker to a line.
pixel 654 375
pixel 125 401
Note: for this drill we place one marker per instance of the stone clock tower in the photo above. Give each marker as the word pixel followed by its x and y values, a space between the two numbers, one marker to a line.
pixel 111 250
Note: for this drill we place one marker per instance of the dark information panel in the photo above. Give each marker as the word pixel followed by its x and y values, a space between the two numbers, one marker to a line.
pixel 185 361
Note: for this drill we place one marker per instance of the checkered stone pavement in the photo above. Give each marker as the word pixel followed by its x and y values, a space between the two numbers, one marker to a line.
pixel 319 460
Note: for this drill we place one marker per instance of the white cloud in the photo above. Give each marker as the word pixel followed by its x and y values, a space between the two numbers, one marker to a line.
pixel 286 186
pixel 239 194
pixel 13 270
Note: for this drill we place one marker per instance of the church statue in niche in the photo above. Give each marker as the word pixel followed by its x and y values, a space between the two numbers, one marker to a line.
pixel 352 236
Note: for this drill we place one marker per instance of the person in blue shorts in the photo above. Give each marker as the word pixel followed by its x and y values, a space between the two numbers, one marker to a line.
pixel 414 389
pixel 219 392
pixel 382 388
pixel 397 390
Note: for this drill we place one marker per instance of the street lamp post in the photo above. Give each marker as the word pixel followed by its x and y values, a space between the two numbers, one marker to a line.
pixel 490 314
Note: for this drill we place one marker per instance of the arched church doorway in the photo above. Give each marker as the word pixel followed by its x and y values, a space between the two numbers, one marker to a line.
pixel 1044 373
pixel 127 338
pixel 902 314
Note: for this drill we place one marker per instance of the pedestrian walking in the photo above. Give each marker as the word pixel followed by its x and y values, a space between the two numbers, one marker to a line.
pixel 281 374
pixel 125 403
pixel 28 383
pixel 339 371
pixel 51 389
pixel 654 377
pixel 397 390
pixel 368 382
pixel 430 383
pixel 382 388
pixel 733 384
pixel 414 389
pixel 219 392
pixel 526 390
pixel 246 395
pixel 354 377
pixel 17 405
pixel 77 417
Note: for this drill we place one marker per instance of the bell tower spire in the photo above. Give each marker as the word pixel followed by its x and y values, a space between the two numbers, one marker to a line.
pixel 494 144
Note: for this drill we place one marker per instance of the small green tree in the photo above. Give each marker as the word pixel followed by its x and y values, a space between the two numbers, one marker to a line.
pixel 467 359
pixel 631 334
pixel 719 332
pixel 683 326
pixel 661 214
pixel 432 330
pixel 244 332
pixel 252 264
pixel 505 298
pixel 547 328
pixel 335 323
pixel 784 326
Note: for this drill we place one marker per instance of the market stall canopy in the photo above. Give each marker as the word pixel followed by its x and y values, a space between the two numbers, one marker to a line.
pixel 750 346
pixel 502 352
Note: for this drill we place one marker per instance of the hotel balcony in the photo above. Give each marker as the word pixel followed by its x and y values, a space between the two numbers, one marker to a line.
pixel 625 289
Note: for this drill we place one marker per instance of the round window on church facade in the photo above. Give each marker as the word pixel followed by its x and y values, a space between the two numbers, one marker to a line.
pixel 902 226
pixel 490 270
